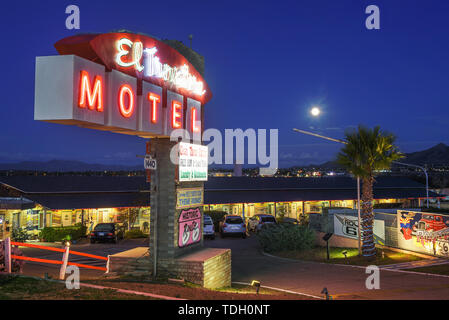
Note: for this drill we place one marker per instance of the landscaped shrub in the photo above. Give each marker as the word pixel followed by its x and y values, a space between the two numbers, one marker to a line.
pixel 280 237
pixel 135 234
pixel 20 235
pixel 52 234
pixel 216 216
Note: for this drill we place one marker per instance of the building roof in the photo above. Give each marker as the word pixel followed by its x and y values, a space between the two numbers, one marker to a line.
pixel 220 190
pixel 7 203
pixel 82 192
pixel 90 200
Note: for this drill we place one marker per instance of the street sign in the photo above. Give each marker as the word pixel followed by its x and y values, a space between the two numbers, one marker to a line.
pixel 150 163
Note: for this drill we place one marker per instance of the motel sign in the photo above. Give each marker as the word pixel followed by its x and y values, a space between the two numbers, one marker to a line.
pixel 120 82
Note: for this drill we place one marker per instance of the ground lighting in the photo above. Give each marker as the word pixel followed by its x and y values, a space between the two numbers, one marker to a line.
pixel 345 253
pixel 256 284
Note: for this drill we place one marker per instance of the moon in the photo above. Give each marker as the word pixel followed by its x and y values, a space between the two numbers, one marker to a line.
pixel 315 111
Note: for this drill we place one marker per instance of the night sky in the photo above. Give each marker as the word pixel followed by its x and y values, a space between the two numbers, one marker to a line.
pixel 267 63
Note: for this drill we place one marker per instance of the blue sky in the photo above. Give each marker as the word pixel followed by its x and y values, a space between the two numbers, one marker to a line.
pixel 267 63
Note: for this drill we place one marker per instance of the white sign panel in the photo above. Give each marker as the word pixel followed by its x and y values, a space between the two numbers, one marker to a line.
pixel 347 226
pixel 150 163
pixel 193 162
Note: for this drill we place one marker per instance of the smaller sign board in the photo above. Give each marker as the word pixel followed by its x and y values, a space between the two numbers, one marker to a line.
pixel 150 163
pixel 189 197
pixel 193 162
pixel 189 227
pixel 347 226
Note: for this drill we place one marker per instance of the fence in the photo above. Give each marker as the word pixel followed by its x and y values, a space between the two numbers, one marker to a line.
pixel 64 262
pixel 325 222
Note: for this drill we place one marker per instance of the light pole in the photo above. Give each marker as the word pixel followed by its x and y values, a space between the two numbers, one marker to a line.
pixel 425 172
pixel 358 178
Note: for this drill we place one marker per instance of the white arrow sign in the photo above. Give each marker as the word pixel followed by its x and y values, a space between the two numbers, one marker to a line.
pixel 150 163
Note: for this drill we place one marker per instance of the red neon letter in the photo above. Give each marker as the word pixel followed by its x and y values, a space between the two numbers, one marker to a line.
pixel 195 128
pixel 154 98
pixel 126 111
pixel 95 97
pixel 176 115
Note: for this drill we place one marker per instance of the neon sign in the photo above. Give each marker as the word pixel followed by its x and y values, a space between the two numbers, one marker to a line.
pixel 153 67
pixel 86 96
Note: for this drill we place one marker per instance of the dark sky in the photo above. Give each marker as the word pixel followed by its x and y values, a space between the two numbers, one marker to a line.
pixel 267 63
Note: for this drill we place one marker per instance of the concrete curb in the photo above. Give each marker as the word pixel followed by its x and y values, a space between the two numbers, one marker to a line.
pixel 360 267
pixel 282 290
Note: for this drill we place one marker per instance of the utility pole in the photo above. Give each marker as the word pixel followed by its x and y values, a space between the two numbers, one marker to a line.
pixel 425 172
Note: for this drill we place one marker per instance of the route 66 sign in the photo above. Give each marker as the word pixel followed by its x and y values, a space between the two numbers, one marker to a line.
pixel 189 227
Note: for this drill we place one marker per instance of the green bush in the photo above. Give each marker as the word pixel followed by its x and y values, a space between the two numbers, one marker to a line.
pixel 216 216
pixel 280 237
pixel 20 235
pixel 135 234
pixel 52 234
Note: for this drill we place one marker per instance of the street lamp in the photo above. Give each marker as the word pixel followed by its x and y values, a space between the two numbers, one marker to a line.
pixel 425 172
pixel 358 179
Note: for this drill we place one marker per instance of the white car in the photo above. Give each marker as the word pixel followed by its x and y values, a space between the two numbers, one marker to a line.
pixel 208 228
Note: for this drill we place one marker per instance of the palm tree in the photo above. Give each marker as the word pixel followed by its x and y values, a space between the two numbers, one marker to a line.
pixel 366 151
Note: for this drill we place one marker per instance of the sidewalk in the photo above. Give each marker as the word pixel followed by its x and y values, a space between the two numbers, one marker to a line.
pixel 415 264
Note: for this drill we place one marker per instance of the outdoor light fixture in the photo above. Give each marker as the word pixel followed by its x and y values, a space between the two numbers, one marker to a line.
pixel 256 284
pixel 345 253
pixel 326 293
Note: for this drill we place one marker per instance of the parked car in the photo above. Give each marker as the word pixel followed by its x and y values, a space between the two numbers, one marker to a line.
pixel 232 225
pixel 208 227
pixel 106 232
pixel 256 222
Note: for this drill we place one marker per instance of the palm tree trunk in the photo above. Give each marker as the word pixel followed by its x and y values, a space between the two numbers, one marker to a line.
pixel 368 247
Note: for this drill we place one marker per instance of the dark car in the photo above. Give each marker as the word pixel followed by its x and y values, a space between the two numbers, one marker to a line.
pixel 104 232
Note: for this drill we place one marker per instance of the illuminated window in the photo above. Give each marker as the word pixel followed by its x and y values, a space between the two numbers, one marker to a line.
pixel 88 97
pixel 126 111
pixel 176 114
pixel 154 99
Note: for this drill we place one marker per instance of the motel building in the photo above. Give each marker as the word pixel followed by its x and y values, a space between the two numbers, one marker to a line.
pixel 33 202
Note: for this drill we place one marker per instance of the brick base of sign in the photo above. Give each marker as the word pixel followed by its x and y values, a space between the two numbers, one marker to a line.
pixel 210 268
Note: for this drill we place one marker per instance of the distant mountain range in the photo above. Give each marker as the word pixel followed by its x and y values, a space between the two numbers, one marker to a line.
pixel 435 156
pixel 66 165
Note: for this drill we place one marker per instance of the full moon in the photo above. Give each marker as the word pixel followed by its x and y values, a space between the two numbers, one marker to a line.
pixel 315 111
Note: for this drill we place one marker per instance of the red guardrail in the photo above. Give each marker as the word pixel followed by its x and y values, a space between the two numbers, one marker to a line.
pixel 14 243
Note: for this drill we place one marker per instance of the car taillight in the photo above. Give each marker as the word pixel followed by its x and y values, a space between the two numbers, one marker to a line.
pixel 110 234
pixel 92 234
pixel 225 225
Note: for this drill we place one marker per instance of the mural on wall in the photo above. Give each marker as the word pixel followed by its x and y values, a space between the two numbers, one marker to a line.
pixel 189 227
pixel 424 232
pixel 347 226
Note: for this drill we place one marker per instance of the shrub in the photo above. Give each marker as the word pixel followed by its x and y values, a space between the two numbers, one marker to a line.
pixel 20 235
pixel 52 234
pixel 216 216
pixel 280 237
pixel 135 234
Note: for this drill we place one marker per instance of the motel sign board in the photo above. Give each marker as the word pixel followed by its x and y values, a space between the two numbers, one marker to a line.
pixel 120 82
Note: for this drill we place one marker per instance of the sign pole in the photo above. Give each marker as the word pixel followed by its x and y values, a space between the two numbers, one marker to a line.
pixel 358 216
pixel 8 254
